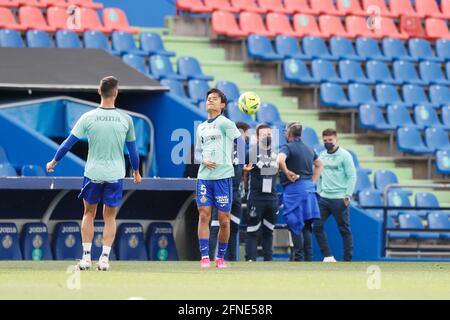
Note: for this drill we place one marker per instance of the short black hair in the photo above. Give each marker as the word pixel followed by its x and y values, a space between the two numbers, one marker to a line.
pixel 329 132
pixel 294 129
pixel 107 86
pixel 242 126
pixel 223 98
pixel 260 127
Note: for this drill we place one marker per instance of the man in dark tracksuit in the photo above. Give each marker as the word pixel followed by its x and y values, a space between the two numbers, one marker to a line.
pixel 262 200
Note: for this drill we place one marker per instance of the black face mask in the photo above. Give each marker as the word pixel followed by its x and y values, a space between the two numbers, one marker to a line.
pixel 328 146
pixel 267 141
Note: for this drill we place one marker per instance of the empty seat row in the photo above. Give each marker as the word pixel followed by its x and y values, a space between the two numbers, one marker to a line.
pixel 30 170
pixel 47 3
pixel 391 9
pixel 130 243
pixel 58 18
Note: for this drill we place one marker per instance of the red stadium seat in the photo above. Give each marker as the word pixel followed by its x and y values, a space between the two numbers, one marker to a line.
pixel 403 7
pixel 429 8
pixel 299 6
pixel 32 18
pixel 436 28
pixel 116 20
pixel 224 23
pixel 388 29
pixel 351 7
pixel 85 4
pixel 89 20
pixel 31 3
pixel 332 26
pixel 9 3
pixel 247 5
pixel 55 3
pixel 8 21
pixel 373 6
pixel 221 5
pixel 358 27
pixel 412 26
pixel 274 6
pixel 195 6
pixel 306 25
pixel 279 24
pixel 326 7
pixel 253 23
pixel 445 8
pixel 58 18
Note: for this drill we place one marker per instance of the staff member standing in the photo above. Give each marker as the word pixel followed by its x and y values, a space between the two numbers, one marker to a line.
pixel 300 168
pixel 335 188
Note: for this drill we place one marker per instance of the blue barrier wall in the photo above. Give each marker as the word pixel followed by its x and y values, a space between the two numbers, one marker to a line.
pixel 148 13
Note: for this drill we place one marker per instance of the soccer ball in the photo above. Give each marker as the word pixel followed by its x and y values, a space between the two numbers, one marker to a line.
pixel 249 102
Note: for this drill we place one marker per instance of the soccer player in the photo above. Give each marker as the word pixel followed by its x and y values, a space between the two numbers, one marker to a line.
pixel 107 130
pixel 214 150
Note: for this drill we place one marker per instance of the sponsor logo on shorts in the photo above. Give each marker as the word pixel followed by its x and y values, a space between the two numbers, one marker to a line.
pixel 203 199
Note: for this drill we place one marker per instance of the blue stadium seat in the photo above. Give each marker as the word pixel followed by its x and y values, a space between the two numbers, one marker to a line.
pixel 443 161
pixel 7 170
pixel 443 49
pixel 3 156
pixel 420 49
pixel 426 116
pixel 410 141
pixel 32 170
pixel 191 69
pixel 9 242
pixel 10 39
pixel 412 221
pixel 445 116
pixel 67 39
pixel 387 94
pixel 439 220
pixel 447 69
pixel 160 242
pixel 38 39
pixel 398 115
pixel 351 71
pixel 371 198
pixel 371 117
pixel 398 198
pixel 97 40
pixel 230 89
pixel 235 115
pixel 323 70
pixel 309 136
pixel 152 44
pixel 130 244
pixel 317 48
pixel 135 61
pixel 123 42
pixel 395 50
pixel 437 139
pixel 289 47
pixel 67 241
pixel 333 95
pixel 384 177
pixel 368 49
pixel 378 72
pixel 362 181
pixel 361 94
pixel 295 71
pixel 406 73
pixel 161 68
pixel 260 47
pixel 356 161
pixel 414 95
pixel 197 90
pixel 34 242
pixel 432 73
pixel 439 95
pixel 343 48
pixel 176 87
pixel 426 199
pixel 268 113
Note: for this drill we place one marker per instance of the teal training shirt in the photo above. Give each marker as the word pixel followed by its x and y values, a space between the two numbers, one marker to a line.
pixel 215 140
pixel 338 177
pixel 107 130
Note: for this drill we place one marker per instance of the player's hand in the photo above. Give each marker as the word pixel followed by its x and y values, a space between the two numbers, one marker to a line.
pixel 51 166
pixel 137 176
pixel 347 201
pixel 248 167
pixel 292 176
pixel 209 164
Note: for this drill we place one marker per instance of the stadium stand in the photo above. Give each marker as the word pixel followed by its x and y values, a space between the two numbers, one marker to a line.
pixel 35 242
pixel 130 244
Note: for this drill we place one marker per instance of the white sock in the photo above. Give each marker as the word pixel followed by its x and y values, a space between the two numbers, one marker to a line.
pixel 87 251
pixel 106 251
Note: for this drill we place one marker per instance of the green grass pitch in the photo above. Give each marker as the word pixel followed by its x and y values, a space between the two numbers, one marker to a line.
pixel 242 280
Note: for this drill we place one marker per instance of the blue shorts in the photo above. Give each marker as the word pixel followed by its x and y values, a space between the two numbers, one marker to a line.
pixel 110 193
pixel 218 193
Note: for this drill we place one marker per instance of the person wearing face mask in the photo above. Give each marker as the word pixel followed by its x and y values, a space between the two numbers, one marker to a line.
pixel 262 200
pixel 335 188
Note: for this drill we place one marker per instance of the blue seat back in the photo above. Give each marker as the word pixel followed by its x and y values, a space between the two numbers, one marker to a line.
pixel 10 39
pixel 67 241
pixel 198 89
pixel 67 39
pixel 410 221
pixel 394 48
pixel 420 49
pixel 330 93
pixel 425 116
pixel 445 115
pixel 355 158
pixel 130 244
pixel 378 71
pixel 189 67
pixel 236 115
pixel 151 42
pixel 287 46
pixel 160 66
pixel 323 69
pixel 135 61
pixel 387 94
pixel 259 45
pixel 440 95
pixel 398 199
pixel 409 138
pixel 175 86
pixel 360 93
pixel 3 156
pixel 309 136
pixel 438 220
pixel 268 113
pixel 123 41
pixel 431 71
pixel 341 47
pixel 398 115
pixel 362 181
pixel 370 198
pixel 383 178
pixel 9 242
pixel 370 116
pixel 35 243
pixel 32 170
pixel 314 46
pixel 38 39
pixel 404 71
pixel 350 70
pixel 426 199
pixel 95 40
pixel 443 161
pixel 160 242
pixel 230 89
pixel 7 170
pixel 295 69
pixel 368 48
pixel 414 94
pixel 443 49
pixel 437 138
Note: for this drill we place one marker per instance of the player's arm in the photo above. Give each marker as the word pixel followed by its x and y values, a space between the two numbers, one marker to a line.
pixel 61 152
pixel 133 153
pixel 318 168
pixel 281 159
pixel 350 172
